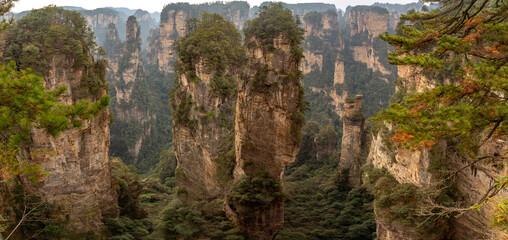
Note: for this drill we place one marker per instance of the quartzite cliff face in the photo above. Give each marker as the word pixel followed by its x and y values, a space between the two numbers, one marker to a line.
pixel 267 130
pixel 79 184
pixel 353 127
pixel 131 101
pixel 415 167
pixel 203 132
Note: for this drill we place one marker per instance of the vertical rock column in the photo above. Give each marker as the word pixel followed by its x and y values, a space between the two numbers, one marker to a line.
pixel 268 122
pixel 352 140
pixel 203 106
pixel 202 131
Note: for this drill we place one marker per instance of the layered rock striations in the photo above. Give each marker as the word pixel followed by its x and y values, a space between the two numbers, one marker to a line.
pixel 79 184
pixel 348 57
pixel 203 105
pixel 353 129
pixel 269 116
pixel 418 167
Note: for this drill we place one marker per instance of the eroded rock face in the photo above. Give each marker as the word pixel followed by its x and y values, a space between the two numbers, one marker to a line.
pixel 320 32
pixel 414 166
pixel 173 24
pixel 79 182
pixel 352 140
pixel 266 130
pixel 374 20
pixel 203 133
pixel 127 79
pixel 367 22
pixel 98 20
pixel 146 24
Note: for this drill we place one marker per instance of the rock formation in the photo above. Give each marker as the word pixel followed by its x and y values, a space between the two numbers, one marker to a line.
pixel 146 24
pixel 130 101
pixel 352 140
pixel 269 117
pixel 203 104
pixel 202 133
pixel 79 184
pixel 173 25
pixel 267 134
pixel 99 19
pixel 416 167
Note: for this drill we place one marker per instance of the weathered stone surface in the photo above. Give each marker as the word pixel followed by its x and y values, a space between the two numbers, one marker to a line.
pixel 368 19
pixel 352 140
pixel 412 166
pixel 205 134
pixel 126 73
pixel 173 24
pixel 266 134
pixel 374 22
pixel 99 20
pixel 79 181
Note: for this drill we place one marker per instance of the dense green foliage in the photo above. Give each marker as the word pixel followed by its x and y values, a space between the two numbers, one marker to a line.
pixel 461 49
pixel 190 219
pixel 36 216
pixel 26 104
pixel 319 204
pixel 252 193
pixel 141 202
pixel 34 41
pixel 473 102
pixel 274 21
pixel 216 44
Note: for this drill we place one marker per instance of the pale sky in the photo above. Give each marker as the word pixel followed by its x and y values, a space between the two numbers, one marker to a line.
pixel 157 5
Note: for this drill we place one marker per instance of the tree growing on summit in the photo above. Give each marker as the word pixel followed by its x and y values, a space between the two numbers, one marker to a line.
pixel 463 47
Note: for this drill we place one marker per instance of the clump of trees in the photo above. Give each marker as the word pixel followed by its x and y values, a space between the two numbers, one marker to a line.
pixel 42 34
pixel 462 48
pixel 215 43
pixel 274 21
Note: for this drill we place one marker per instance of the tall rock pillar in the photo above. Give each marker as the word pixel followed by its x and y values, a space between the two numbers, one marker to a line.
pixel 203 106
pixel 267 127
pixel 352 140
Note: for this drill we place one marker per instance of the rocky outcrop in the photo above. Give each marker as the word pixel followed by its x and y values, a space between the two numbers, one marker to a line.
pixel 173 24
pixel 267 133
pixel 365 25
pixel 99 19
pixel 78 191
pixel 373 20
pixel 203 133
pixel 133 120
pixel 353 127
pixel 320 33
pixel 146 24
pixel 80 181
pixel 416 167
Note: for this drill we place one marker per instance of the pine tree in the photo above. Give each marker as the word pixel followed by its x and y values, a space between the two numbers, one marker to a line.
pixel 463 48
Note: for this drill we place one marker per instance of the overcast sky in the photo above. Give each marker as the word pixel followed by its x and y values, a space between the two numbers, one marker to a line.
pixel 157 5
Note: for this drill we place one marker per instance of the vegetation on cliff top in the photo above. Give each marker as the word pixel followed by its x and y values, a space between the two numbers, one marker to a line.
pixel 215 43
pixel 274 21
pixel 34 41
pixel 463 43
pixel 27 104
